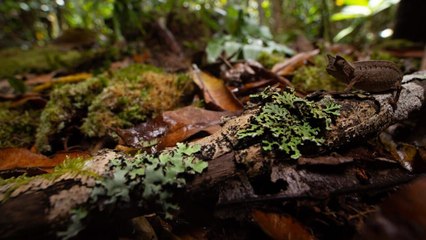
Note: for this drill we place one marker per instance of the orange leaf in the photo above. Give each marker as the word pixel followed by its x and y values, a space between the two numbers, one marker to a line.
pixel 13 158
pixel 288 66
pixel 281 227
pixel 215 92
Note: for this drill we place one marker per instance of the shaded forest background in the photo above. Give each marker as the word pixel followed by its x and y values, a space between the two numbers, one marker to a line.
pixel 96 98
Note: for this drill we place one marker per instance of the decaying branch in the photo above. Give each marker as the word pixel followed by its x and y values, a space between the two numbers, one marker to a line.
pixel 43 206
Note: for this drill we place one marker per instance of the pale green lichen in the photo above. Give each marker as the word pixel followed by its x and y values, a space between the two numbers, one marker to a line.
pixel 286 122
pixel 147 178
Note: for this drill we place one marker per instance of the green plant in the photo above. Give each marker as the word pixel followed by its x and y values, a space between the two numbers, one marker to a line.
pixel 151 178
pixel 286 122
pixel 360 13
pixel 242 37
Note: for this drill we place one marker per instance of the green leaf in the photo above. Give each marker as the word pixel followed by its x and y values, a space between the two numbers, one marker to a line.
pixel 231 47
pixel 214 49
pixel 343 33
pixel 252 51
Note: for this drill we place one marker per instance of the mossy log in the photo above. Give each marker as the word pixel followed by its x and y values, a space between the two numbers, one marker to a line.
pixel 42 207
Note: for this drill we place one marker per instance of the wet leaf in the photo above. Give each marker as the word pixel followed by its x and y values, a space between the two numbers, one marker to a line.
pixel 290 65
pixel 215 92
pixel 282 227
pixel 13 158
pixel 172 127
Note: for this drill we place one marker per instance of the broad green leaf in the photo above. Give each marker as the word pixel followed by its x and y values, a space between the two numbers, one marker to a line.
pixel 231 47
pixel 252 51
pixel 356 2
pixel 214 49
pixel 343 33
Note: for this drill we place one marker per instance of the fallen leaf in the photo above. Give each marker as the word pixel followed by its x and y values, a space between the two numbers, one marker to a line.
pixel 65 79
pixel 288 66
pixel 120 64
pixel 143 229
pixel 141 58
pixel 402 216
pixel 282 227
pixel 30 99
pixel 172 127
pixel 33 79
pixel 215 92
pixel 13 158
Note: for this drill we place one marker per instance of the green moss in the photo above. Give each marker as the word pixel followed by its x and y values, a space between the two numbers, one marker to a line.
pixel 137 94
pixel 286 122
pixel 121 99
pixel 382 55
pixel 18 127
pixel 15 60
pixel 66 104
pixel 70 165
pixel 268 60
pixel 315 77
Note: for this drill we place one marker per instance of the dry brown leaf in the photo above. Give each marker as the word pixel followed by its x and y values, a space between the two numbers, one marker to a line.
pixel 402 216
pixel 281 227
pixel 13 158
pixel 32 99
pixel 172 127
pixel 39 79
pixel 288 66
pixel 215 92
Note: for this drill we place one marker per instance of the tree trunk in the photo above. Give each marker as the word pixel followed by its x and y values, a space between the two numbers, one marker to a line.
pixel 277 18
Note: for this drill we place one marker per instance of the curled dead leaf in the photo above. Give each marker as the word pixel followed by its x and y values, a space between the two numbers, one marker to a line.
pixel 281 227
pixel 288 66
pixel 215 92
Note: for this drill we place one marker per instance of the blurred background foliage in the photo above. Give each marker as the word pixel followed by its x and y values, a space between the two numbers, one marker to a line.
pixel 240 28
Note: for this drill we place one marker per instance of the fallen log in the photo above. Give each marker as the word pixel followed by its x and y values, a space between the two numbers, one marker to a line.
pixel 45 206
